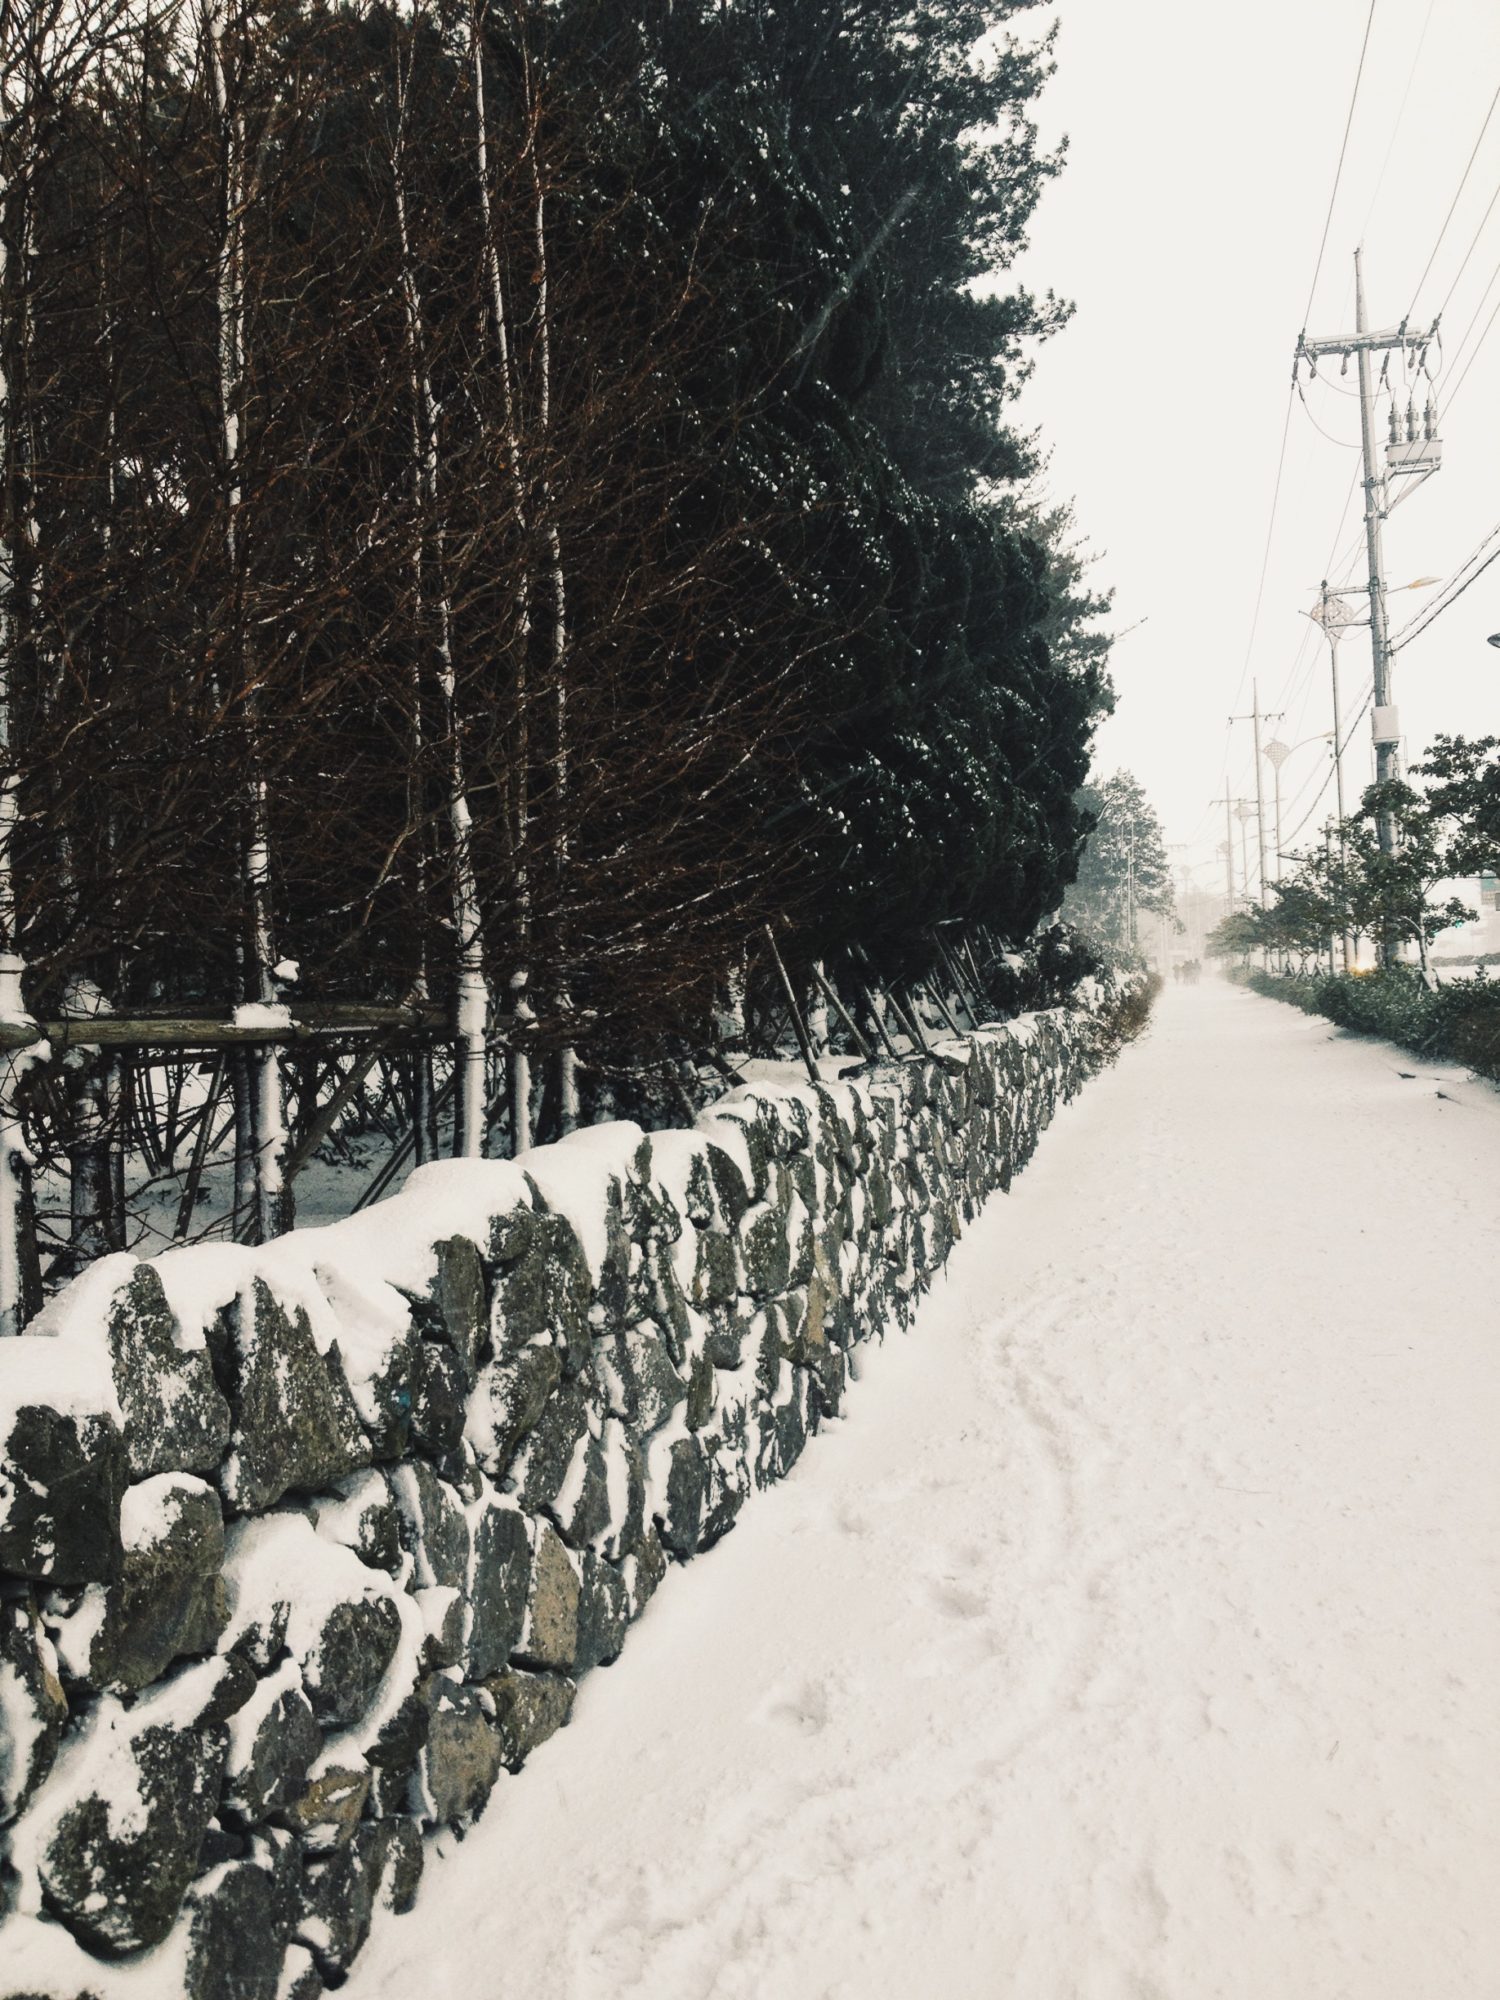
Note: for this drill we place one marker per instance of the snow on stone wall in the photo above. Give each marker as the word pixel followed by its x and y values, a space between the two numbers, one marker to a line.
pixel 299 1545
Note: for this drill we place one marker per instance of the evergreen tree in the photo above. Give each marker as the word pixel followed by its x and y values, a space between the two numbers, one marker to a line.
pixel 1124 868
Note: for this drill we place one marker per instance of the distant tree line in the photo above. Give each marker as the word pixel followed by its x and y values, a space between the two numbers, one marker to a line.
pixel 503 501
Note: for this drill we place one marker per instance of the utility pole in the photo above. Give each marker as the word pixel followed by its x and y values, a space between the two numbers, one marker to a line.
pixel 1387 732
pixel 1242 812
pixel 1227 850
pixel 1276 754
pixel 1415 453
pixel 1257 718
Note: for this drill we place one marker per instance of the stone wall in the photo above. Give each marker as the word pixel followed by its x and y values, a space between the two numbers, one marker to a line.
pixel 300 1546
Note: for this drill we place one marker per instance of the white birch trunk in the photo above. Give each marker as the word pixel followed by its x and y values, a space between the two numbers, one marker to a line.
pixel 12 1006
pixel 16 1234
pixel 424 1116
pixel 567 1059
pixel 472 1009
pixel 732 1026
pixel 520 980
pixel 98 1206
pixel 817 1016
pixel 261 1084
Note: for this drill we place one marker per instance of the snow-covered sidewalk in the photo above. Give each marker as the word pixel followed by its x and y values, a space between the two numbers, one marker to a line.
pixel 1133 1638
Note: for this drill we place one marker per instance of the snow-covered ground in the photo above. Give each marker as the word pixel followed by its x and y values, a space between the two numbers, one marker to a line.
pixel 1133 1638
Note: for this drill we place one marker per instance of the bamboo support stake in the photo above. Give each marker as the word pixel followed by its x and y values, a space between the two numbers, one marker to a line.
pixel 831 996
pixel 934 993
pixel 979 986
pixel 791 1000
pixel 320 1126
pixel 961 983
pixel 906 1013
pixel 878 1017
pixel 201 1145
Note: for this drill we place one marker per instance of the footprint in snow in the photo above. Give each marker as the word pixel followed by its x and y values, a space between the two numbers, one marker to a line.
pixel 957 1600
pixel 807 1709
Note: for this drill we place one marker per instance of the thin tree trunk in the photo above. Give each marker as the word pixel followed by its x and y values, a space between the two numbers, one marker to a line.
pixel 95 1225
pixel 817 1011
pixel 520 776
pixel 472 998
pixel 424 1116
pixel 19 1293
pixel 567 1056
pixel 259 1096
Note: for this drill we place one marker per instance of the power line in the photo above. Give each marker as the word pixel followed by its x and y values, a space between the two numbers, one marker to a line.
pixel 1331 773
pixel 1463 183
pixel 1338 171
pixel 1342 443
pixel 1463 373
pixel 1473 245
pixel 1400 114
pixel 1265 558
pixel 1332 565
pixel 1450 594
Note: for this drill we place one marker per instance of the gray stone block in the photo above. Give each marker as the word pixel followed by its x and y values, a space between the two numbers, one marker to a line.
pixel 295 1428
pixel 36 1709
pixel 641 1383
pixel 176 1420
pixel 528 1709
pixel 273 1741
pixel 499 1583
pixel 116 1874
pixel 168 1600
pixel 461 1759
pixel 550 1635
pixel 61 1479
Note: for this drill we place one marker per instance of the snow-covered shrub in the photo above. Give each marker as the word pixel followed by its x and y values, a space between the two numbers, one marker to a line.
pixel 1458 1022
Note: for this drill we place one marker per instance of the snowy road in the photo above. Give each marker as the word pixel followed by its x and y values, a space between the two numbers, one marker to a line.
pixel 1135 1638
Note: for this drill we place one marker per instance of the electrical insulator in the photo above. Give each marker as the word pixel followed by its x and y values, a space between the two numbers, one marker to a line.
pixel 1429 421
pixel 1395 424
pixel 1411 424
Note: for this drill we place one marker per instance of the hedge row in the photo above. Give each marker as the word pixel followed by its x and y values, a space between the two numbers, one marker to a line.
pixel 1459 1022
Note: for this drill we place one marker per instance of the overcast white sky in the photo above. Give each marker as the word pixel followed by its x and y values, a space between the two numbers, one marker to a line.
pixel 1203 144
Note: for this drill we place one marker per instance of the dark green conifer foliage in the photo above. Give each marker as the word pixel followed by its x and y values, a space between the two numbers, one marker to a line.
pixel 885 167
